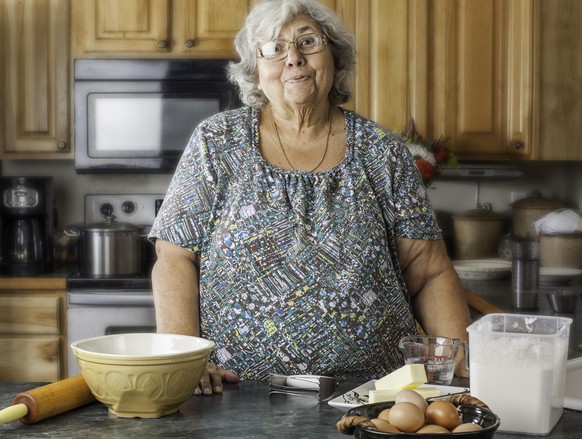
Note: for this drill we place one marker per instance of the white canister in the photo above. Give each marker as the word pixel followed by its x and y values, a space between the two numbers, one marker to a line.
pixel 518 368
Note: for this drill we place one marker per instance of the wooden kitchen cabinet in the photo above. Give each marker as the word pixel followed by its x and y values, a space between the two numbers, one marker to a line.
pixel 33 329
pixel 157 28
pixel 560 80
pixel 34 73
pixel 463 69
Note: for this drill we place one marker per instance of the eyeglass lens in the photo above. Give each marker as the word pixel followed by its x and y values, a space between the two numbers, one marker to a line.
pixel 306 44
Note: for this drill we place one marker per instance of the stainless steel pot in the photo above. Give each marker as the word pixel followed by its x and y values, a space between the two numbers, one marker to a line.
pixel 526 210
pixel 110 248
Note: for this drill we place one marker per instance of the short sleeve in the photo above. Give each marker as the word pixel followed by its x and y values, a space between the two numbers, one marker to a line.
pixel 186 212
pixel 401 193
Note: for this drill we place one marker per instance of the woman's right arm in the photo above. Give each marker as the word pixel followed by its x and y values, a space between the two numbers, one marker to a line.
pixel 175 284
pixel 175 281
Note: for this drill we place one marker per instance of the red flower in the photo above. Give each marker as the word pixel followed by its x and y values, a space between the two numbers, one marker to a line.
pixel 427 169
pixel 440 154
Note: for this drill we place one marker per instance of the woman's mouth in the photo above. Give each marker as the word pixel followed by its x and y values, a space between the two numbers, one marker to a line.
pixel 298 78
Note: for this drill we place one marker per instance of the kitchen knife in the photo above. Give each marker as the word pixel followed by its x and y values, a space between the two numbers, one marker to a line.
pixel 50 400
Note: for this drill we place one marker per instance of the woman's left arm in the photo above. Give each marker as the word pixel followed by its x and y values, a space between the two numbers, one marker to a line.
pixel 438 297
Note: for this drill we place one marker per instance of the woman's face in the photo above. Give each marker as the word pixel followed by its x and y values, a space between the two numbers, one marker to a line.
pixel 298 80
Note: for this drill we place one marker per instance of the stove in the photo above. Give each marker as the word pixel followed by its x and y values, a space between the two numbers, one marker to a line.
pixel 99 306
pixel 138 209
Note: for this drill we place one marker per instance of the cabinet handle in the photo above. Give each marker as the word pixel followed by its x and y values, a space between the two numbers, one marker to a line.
pixel 61 145
pixel 162 44
pixel 189 43
pixel 519 145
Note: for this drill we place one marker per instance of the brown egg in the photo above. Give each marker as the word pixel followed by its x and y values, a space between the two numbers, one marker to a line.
pixel 432 428
pixel 406 417
pixel 385 426
pixel 384 414
pixel 442 413
pixel 413 397
pixel 468 426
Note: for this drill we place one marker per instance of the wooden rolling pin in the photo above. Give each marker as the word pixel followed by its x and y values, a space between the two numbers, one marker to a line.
pixel 46 401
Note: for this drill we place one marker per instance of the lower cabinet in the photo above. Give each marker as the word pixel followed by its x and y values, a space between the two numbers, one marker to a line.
pixel 32 332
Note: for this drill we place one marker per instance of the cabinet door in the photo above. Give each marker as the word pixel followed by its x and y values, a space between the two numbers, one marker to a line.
pixel 207 28
pixel 391 81
pixel 34 40
pixel 121 26
pixel 561 77
pixel 481 59
pixel 32 333
pixel 28 314
pixel 30 358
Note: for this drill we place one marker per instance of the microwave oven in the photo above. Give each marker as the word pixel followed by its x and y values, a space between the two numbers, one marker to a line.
pixel 138 115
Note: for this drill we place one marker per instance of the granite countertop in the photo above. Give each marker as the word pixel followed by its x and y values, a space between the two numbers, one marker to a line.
pixel 242 411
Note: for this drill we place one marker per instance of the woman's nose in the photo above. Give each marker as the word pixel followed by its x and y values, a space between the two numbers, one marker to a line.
pixel 294 57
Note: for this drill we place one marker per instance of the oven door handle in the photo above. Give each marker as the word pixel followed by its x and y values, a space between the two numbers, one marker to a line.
pixel 111 299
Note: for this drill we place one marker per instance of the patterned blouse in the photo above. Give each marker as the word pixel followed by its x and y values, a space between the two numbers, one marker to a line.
pixel 299 272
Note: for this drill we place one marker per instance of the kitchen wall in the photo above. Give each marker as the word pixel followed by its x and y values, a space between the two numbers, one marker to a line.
pixel 560 181
pixel 70 188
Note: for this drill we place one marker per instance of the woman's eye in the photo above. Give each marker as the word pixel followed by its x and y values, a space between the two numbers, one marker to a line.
pixel 271 48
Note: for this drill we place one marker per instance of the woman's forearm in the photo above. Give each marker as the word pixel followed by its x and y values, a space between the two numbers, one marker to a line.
pixel 175 285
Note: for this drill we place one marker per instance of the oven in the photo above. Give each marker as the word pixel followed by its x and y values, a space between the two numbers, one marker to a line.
pixel 138 115
pixel 113 304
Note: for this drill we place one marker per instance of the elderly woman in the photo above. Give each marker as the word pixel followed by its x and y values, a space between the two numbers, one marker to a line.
pixel 297 235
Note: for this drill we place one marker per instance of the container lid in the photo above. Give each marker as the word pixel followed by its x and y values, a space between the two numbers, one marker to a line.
pixel 111 225
pixel 536 200
pixel 482 212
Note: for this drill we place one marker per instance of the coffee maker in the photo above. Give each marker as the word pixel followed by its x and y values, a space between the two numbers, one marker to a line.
pixel 26 215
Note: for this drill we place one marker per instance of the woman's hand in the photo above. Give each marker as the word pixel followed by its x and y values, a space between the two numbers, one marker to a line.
pixel 211 381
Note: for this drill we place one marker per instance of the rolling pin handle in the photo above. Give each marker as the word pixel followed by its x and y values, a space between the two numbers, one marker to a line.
pixel 13 413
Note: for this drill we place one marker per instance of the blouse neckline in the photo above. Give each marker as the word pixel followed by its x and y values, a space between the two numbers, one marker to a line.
pixel 255 121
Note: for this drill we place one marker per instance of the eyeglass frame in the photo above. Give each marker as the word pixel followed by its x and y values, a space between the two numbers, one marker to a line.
pixel 325 40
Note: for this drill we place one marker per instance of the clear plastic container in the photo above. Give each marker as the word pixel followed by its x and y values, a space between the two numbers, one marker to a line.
pixel 518 368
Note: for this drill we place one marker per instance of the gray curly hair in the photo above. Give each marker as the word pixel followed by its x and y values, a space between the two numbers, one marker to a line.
pixel 264 23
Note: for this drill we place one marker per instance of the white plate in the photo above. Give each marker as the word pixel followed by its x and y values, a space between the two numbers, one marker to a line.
pixel 359 396
pixel 558 275
pixel 480 269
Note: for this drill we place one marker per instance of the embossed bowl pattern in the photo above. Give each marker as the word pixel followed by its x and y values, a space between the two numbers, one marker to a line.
pixel 142 375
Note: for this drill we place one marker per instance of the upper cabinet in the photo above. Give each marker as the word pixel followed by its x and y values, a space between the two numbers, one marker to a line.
pixel 464 69
pixel 157 28
pixel 560 80
pixel 482 71
pixel 34 73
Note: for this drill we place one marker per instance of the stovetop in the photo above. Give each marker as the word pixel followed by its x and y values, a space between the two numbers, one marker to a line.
pixel 82 282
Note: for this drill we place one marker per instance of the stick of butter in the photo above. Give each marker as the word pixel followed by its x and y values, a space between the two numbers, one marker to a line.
pixel 390 394
pixel 408 376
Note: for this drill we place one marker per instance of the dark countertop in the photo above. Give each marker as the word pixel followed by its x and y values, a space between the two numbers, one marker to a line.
pixel 242 411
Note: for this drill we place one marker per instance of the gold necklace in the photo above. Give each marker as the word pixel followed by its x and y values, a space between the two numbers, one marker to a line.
pixel 283 149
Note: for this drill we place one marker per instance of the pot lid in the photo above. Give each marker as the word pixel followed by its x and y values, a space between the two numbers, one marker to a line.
pixel 111 225
pixel 536 200
pixel 482 212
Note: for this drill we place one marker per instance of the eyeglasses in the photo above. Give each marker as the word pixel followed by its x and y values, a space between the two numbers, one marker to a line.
pixel 307 44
